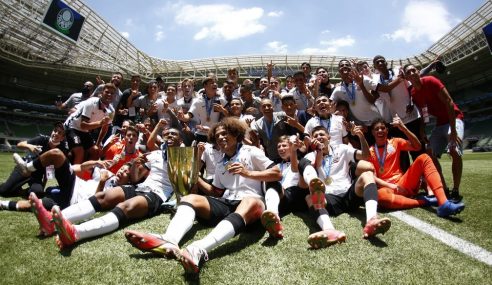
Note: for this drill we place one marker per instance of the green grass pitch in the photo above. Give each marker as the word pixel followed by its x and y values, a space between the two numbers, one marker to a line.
pixel 402 256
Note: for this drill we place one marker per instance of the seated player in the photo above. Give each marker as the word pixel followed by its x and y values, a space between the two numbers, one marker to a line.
pixel 332 192
pixel 127 203
pixel 240 172
pixel 36 180
pixel 290 196
pixel 397 188
pixel 102 180
pixel 65 174
pixel 125 151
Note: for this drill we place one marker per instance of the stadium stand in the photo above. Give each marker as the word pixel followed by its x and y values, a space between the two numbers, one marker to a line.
pixel 40 65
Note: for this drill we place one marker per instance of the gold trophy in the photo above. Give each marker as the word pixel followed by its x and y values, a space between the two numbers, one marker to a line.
pixel 182 167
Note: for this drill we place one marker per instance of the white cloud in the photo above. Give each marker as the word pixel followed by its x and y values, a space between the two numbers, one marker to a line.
pixel 276 47
pixel 275 13
pixel 427 20
pixel 126 35
pixel 330 46
pixel 159 36
pixel 221 21
pixel 129 22
pixel 325 32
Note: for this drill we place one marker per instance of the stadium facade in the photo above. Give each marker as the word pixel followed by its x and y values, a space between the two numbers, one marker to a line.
pixel 38 64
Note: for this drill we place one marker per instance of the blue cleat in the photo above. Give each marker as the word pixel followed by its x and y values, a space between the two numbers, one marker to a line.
pixel 430 201
pixel 449 208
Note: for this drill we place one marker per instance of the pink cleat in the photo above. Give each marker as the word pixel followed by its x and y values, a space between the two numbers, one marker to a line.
pixel 66 231
pixel 317 191
pixel 46 227
pixel 271 222
pixel 152 243
pixel 326 238
pixel 376 226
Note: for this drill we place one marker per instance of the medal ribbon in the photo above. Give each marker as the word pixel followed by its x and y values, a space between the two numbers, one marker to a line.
pixel 268 129
pixel 287 165
pixel 390 78
pixel 351 95
pixel 226 160
pixel 208 105
pixel 328 123
pixel 164 152
pixel 381 159
pixel 327 168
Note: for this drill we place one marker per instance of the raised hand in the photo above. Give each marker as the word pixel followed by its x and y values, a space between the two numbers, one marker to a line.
pixel 356 76
pixel 162 123
pixel 397 122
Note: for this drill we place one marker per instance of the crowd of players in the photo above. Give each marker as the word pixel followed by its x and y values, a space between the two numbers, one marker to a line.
pixel 266 150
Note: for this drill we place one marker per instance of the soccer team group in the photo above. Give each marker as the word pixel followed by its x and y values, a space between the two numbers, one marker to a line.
pixel 266 150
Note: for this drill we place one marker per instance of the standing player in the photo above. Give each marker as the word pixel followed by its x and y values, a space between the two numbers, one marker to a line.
pixel 206 110
pixel 91 114
pixel 432 98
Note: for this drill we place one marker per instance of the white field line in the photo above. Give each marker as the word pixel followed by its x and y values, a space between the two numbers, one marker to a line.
pixel 457 243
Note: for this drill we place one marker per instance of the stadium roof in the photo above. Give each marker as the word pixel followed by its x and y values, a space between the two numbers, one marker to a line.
pixel 101 48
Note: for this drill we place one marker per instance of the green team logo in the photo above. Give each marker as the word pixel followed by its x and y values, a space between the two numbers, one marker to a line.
pixel 64 20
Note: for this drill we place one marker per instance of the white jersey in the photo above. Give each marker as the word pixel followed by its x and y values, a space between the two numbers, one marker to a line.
pixel 211 157
pixel 91 109
pixel 289 178
pixel 239 186
pixel 246 117
pixel 303 102
pixel 336 165
pixel 398 98
pixel 361 109
pixel 185 104
pixel 158 179
pixel 334 125
pixel 161 113
pixel 84 189
pixel 203 112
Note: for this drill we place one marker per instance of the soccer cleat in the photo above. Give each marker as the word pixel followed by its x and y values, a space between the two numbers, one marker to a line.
pixel 376 226
pixel 449 208
pixel 152 243
pixel 430 201
pixel 190 258
pixel 455 196
pixel 66 231
pixel 271 222
pixel 46 226
pixel 317 191
pixel 21 165
pixel 326 238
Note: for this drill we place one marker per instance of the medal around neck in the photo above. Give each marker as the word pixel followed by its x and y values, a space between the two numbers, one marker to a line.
pixel 328 180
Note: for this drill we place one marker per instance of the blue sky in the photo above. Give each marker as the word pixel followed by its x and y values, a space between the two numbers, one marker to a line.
pixel 186 29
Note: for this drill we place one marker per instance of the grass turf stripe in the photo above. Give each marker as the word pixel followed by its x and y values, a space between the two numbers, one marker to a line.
pixel 457 243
